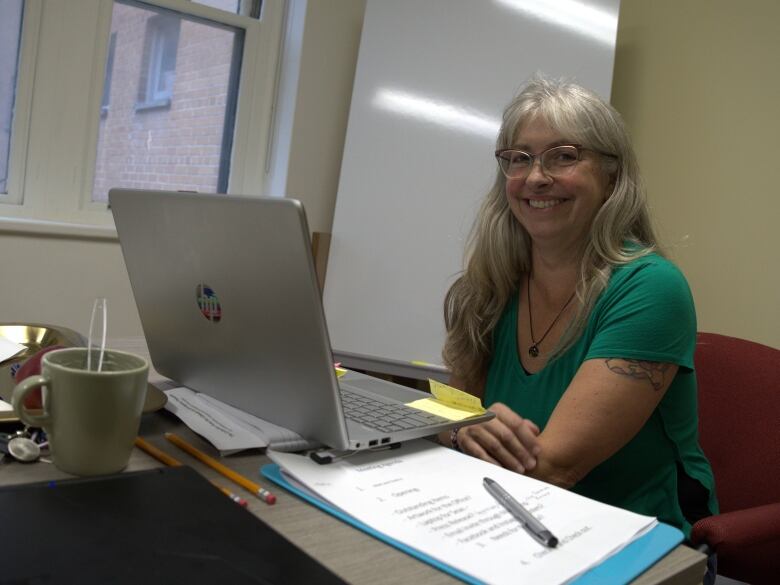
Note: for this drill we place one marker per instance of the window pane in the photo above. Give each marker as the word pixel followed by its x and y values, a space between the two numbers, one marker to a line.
pixel 10 34
pixel 168 110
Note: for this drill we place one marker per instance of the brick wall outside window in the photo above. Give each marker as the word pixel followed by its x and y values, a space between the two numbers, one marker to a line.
pixel 170 147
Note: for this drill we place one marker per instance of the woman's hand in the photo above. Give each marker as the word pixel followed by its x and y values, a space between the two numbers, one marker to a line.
pixel 508 440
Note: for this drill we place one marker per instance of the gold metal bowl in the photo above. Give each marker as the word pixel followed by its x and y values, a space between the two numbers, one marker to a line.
pixel 35 337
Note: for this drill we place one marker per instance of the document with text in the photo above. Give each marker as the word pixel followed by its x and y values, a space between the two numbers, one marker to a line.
pixel 432 499
pixel 229 429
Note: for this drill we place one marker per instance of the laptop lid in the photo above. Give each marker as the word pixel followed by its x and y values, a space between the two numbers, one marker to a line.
pixel 229 303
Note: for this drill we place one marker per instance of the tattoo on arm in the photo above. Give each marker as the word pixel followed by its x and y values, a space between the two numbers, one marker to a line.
pixel 653 372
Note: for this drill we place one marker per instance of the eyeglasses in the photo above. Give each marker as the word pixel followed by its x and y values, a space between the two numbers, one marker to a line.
pixel 557 161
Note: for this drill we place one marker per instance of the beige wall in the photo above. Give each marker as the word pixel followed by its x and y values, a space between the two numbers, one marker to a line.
pixel 329 56
pixel 54 280
pixel 699 85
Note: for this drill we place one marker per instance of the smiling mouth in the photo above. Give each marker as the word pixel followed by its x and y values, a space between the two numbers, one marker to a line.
pixel 544 203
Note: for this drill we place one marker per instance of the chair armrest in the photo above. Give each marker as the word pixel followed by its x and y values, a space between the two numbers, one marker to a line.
pixel 746 542
pixel 739 528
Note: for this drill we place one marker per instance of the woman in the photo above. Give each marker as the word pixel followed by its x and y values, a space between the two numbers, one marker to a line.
pixel 570 324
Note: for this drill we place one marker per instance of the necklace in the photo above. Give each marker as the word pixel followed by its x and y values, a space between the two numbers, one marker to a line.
pixel 533 351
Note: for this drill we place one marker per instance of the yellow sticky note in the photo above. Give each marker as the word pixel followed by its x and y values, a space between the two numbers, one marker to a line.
pixel 449 402
pixel 433 406
pixel 455 398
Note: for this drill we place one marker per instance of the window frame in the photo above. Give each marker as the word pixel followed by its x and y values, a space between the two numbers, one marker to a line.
pixel 105 99
pixel 20 124
pixel 55 133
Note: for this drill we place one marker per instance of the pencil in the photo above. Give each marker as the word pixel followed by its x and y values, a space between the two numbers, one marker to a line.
pixel 237 499
pixel 156 453
pixel 256 489
pixel 163 457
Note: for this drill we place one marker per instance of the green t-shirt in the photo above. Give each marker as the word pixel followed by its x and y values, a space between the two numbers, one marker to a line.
pixel 645 313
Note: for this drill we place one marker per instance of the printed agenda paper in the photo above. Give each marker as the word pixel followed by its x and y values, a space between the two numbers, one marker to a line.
pixel 432 499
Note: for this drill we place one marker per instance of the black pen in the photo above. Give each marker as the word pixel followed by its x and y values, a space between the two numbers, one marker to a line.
pixel 531 525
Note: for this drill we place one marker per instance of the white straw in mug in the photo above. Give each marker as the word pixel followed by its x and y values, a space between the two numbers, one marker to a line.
pixel 99 303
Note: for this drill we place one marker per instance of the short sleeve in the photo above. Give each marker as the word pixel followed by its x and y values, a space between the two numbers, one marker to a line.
pixel 645 313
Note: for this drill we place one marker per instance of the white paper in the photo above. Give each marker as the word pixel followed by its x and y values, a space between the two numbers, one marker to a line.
pixel 276 437
pixel 219 429
pixel 432 499
pixel 9 349
pixel 230 430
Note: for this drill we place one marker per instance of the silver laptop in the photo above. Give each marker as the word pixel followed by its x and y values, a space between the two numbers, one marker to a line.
pixel 230 306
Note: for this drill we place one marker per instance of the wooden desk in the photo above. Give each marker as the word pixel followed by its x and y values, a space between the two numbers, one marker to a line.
pixel 353 555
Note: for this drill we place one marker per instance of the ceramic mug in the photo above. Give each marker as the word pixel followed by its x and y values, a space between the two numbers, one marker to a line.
pixel 91 417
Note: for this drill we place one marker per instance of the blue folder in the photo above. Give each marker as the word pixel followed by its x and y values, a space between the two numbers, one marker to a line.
pixel 622 567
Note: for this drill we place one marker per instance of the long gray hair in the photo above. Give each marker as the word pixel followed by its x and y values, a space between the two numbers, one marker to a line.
pixel 498 250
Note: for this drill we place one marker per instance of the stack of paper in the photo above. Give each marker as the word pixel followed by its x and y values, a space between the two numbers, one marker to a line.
pixel 431 500
pixel 229 429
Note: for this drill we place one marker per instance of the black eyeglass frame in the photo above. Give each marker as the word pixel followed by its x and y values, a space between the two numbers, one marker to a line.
pixel 578 147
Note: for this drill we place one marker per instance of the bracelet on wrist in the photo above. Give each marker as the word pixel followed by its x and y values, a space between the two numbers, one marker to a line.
pixel 454 439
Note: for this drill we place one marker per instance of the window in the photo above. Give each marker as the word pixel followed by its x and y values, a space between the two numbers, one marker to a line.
pixel 168 94
pixel 159 67
pixel 10 35
pixel 178 135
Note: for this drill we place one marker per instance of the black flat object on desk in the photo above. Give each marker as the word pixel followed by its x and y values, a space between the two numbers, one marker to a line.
pixel 167 525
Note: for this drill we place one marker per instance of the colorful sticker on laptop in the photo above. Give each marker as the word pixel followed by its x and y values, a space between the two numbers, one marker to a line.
pixel 208 302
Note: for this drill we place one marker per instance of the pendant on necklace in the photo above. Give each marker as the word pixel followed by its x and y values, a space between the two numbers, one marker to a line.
pixel 533 351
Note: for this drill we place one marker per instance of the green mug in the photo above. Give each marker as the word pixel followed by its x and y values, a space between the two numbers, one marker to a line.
pixel 91 418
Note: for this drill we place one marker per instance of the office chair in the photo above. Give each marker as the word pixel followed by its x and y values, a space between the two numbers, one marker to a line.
pixel 739 427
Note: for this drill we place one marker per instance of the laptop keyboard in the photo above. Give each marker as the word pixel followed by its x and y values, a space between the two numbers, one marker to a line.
pixel 384 416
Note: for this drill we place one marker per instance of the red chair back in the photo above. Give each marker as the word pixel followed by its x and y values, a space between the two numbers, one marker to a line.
pixel 739 418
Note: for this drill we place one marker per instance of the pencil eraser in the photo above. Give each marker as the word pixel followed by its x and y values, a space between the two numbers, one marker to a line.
pixel 270 499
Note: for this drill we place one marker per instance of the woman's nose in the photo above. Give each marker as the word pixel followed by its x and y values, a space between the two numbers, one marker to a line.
pixel 537 175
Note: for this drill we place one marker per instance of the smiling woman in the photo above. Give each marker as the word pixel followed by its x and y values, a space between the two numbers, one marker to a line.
pixel 570 323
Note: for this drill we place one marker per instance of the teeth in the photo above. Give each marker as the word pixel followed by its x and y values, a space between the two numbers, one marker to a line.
pixel 543 204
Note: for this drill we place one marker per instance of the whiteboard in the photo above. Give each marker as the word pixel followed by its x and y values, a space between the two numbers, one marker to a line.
pixel 431 83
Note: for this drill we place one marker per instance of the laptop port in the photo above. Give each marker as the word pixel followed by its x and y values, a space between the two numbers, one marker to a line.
pixel 385 440
pixel 373 443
